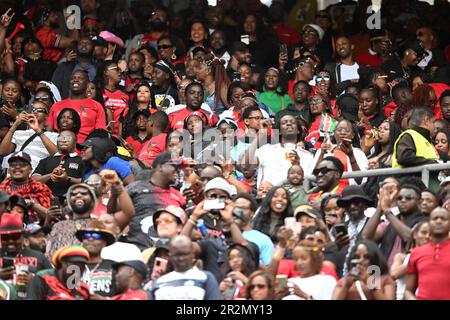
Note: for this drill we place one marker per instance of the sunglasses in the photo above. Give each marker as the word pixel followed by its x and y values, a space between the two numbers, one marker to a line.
pixel 93 235
pixel 407 198
pixel 258 285
pixel 165 220
pixel 324 78
pixel 322 171
pixel 164 46
pixel 41 98
pixel 39 110
pixel 64 139
pixel 18 164
pixel 80 192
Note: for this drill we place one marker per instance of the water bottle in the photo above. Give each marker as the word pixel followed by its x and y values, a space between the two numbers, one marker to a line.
pixel 201 226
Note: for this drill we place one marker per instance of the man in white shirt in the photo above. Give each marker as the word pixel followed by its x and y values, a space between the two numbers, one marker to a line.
pixel 274 160
pixel 346 70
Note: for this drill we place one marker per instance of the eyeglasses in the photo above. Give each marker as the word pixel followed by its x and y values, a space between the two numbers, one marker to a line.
pixel 79 192
pixel 322 171
pixel 258 285
pixel 324 78
pixel 256 118
pixel 407 198
pixel 65 139
pixel 165 46
pixel 18 164
pixel 165 220
pixel 93 235
pixel 39 110
pixel 41 98
pixel 316 101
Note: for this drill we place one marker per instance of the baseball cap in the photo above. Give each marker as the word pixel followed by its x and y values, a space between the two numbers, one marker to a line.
pixel 318 29
pixel 307 210
pixel 221 184
pixel 99 41
pixel 20 155
pixel 137 265
pixel 175 211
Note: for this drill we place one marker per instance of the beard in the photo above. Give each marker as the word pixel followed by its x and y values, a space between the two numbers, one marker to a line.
pixel 157 26
pixel 80 209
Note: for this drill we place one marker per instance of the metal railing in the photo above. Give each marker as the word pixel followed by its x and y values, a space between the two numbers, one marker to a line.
pixel 425 173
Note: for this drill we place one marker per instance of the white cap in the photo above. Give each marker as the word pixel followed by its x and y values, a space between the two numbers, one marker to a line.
pixel 121 251
pixel 318 29
pixel 221 184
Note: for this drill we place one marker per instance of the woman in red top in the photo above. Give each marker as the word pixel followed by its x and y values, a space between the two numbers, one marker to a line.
pixel 139 136
pixel 319 105
pixel 325 87
pixel 169 49
pixel 116 101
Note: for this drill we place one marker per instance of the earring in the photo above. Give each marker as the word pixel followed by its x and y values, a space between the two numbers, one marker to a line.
pixel 174 56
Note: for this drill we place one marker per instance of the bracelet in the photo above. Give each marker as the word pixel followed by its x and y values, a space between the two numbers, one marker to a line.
pixel 193 222
pixel 40 133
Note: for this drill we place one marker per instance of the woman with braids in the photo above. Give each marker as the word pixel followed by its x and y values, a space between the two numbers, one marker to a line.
pixel 141 101
pixel 273 91
pixel 116 101
pixel 211 72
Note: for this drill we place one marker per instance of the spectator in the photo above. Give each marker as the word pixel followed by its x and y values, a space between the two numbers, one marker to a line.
pixel 35 238
pixel 301 94
pixel 444 102
pixel 272 91
pixel 64 168
pixel 435 55
pixel 260 286
pixel 164 93
pixel 399 268
pixel 68 119
pixel 428 202
pixel 83 62
pixel 36 194
pixel 240 53
pixel 128 279
pixel 54 285
pixel 46 21
pixel 218 44
pixel 148 196
pixel 275 207
pixel 169 287
pixel 91 112
pixel 431 285
pixel 12 236
pixel 98 274
pixel 294 186
pixel 414 147
pixel 170 50
pixel 312 34
pixel 156 127
pixel 135 73
pixel 100 153
pixel 244 209
pixel 34 141
pixel 393 236
pixel 331 212
pixel 81 201
pixel 328 175
pixel 370 103
pixel 139 136
pixel 312 285
pixel 320 111
pixel 274 160
pixel 356 284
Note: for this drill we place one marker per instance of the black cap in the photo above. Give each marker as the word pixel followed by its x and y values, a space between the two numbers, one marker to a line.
pixel 351 193
pixel 137 265
pixel 20 155
pixel 415 45
pixel 99 41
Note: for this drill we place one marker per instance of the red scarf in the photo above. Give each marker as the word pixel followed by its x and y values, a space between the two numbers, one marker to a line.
pixel 63 293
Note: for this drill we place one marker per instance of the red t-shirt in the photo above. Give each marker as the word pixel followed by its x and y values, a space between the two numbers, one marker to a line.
pixel 431 263
pixel 90 111
pixel 176 118
pixel 117 101
pixel 131 295
pixel 50 40
pixel 152 148
pixel 129 82
pixel 287 267
pixel 136 143
pixel 99 211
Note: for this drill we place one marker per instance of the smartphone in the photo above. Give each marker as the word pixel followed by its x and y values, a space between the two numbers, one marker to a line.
pixel 236 76
pixel 215 204
pixel 282 280
pixel 340 228
pixel 7 262
pixel 245 38
pixel 354 271
pixel 160 264
pixel 284 49
pixel 55 202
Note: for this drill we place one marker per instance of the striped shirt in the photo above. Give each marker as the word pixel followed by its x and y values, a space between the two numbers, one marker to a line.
pixel 192 284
